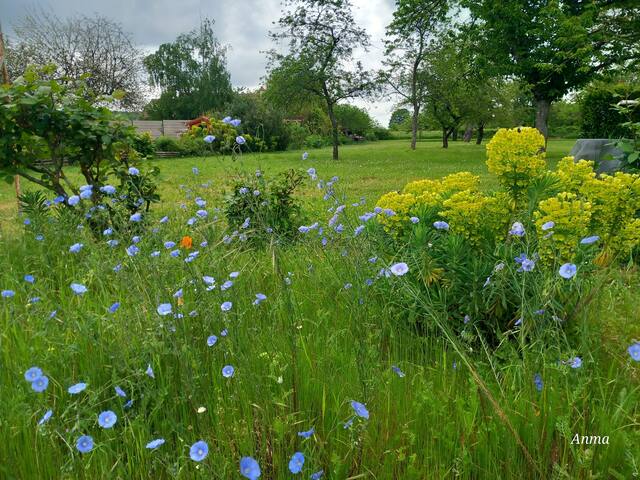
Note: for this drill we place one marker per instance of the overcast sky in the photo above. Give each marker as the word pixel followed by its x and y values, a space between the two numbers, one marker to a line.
pixel 241 24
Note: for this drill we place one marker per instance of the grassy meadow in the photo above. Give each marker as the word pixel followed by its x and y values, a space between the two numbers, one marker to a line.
pixel 322 338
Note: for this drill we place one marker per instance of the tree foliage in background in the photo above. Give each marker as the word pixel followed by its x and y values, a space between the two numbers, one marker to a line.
pixel 353 120
pixel 600 117
pixel 408 40
pixel 95 49
pixel 192 75
pixel 400 118
pixel 556 46
pixel 455 89
pixel 260 119
pixel 565 118
pixel 321 36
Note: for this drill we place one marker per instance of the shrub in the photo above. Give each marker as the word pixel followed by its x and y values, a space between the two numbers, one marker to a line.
pixel 371 137
pixel 570 217
pixel 166 144
pixel 225 136
pixel 260 120
pixel 144 145
pixel 382 133
pixel 260 209
pixel 297 135
pixel 352 119
pixel 317 141
pixel 192 147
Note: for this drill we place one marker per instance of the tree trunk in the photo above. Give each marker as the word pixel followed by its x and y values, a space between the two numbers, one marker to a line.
pixel 468 133
pixel 446 132
pixel 414 126
pixel 480 134
pixel 542 117
pixel 334 129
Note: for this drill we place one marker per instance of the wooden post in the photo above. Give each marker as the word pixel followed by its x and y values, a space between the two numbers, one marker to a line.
pixel 5 79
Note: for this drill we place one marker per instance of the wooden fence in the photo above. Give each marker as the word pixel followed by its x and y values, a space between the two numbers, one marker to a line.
pixel 169 128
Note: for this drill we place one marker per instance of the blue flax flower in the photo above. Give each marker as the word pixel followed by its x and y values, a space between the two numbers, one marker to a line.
pixel 164 309
pixel 107 419
pixel 45 418
pixel 249 468
pixel 307 434
pixel 40 384
pixel 296 463
pixel 199 451
pixel 84 444
pixel 78 288
pixel 589 240
pixel 634 351
pixel 77 388
pixel 153 444
pixel 440 225
pixel 32 374
pixel 537 380
pixel 568 270
pixel 399 269
pixel 360 409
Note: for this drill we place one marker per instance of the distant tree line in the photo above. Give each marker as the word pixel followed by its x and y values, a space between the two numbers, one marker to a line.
pixel 553 64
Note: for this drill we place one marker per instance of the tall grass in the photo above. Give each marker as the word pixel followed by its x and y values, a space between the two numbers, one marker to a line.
pixel 300 358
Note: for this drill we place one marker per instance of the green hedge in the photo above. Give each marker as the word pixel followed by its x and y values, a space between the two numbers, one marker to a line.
pixel 600 119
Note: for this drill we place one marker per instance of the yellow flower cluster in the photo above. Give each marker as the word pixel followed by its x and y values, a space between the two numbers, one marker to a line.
pixel 471 214
pixel 419 187
pixel 570 219
pixel 457 182
pixel 629 236
pixel 463 212
pixel 516 156
pixel 588 205
pixel 431 193
pixel 573 175
pixel 614 200
pixel 401 204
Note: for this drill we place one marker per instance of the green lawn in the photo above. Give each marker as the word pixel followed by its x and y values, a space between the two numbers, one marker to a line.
pixel 366 170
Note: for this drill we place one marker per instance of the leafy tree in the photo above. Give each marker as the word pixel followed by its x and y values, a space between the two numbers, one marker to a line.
pixel 95 49
pixel 353 119
pixel 556 46
pixel 407 46
pixel 450 85
pixel 399 118
pixel 191 73
pixel 65 123
pixel 321 36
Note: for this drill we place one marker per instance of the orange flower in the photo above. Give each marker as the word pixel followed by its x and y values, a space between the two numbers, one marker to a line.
pixel 180 301
pixel 186 242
